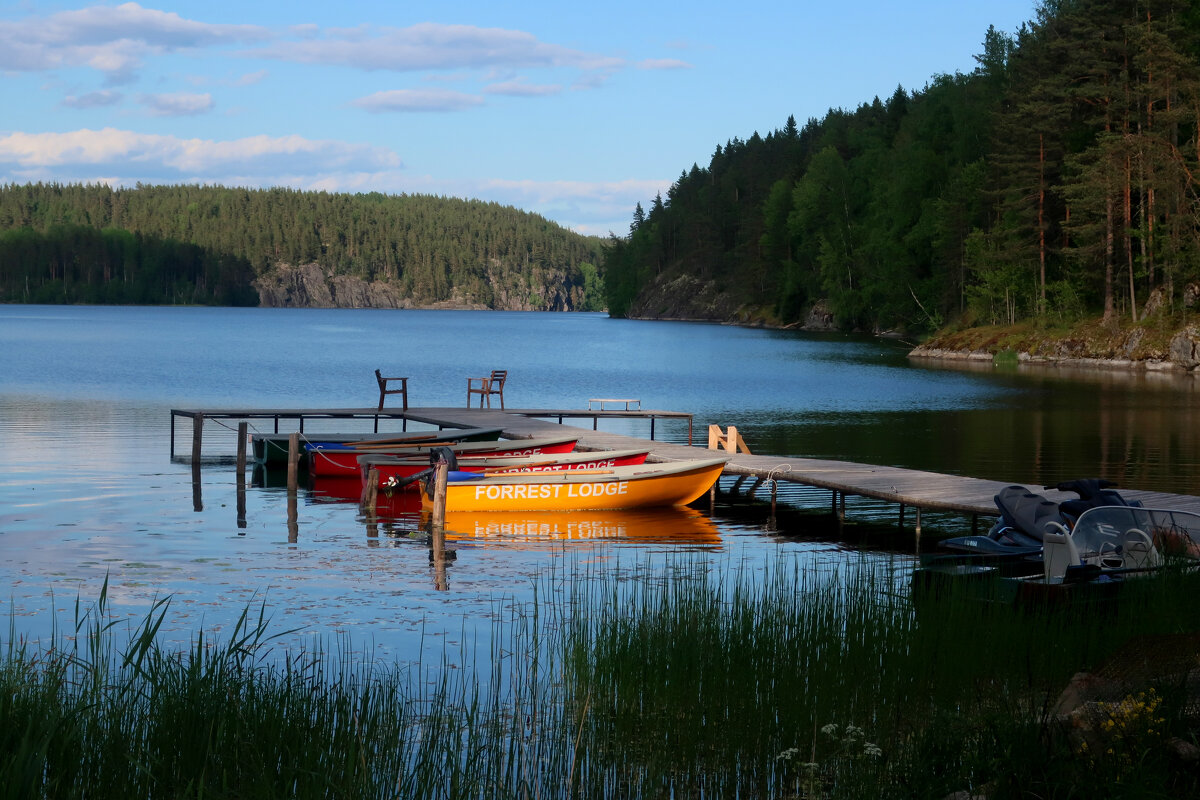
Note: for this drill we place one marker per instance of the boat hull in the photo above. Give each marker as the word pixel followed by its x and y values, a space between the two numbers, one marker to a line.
pixel 393 472
pixel 620 487
pixel 334 461
pixel 272 448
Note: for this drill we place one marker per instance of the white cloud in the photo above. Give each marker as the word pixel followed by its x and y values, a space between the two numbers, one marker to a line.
pixel 251 78
pixel 417 100
pixel 663 63
pixel 109 39
pixel 519 88
pixel 93 99
pixel 255 160
pixel 432 46
pixel 595 208
pixel 177 104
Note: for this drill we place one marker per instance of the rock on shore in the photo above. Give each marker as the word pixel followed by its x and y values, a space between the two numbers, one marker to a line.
pixel 1128 350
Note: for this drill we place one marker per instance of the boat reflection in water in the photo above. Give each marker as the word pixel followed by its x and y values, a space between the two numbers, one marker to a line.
pixel 666 525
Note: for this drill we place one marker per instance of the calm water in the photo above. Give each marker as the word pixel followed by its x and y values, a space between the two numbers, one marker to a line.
pixel 88 487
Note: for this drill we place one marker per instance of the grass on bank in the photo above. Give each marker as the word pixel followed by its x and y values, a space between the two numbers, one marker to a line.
pixel 1087 338
pixel 777 681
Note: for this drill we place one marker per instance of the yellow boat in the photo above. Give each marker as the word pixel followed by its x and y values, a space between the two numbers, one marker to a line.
pixel 669 524
pixel 673 484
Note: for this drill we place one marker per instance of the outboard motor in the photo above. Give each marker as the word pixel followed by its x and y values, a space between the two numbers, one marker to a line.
pixel 439 455
pixel 443 455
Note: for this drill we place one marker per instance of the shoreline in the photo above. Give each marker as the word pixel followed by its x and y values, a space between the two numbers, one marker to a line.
pixel 1074 362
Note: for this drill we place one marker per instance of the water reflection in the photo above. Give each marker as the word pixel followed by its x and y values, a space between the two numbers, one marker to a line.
pixel 539 528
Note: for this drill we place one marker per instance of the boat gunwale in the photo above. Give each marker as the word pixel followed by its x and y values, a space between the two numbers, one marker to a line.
pixel 637 472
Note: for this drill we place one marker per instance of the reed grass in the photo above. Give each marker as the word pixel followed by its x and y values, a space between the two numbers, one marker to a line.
pixel 667 680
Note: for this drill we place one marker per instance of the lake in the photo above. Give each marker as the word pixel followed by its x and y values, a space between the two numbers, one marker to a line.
pixel 89 488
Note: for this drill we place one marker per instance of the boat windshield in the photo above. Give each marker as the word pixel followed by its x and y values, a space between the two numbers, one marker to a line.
pixel 1113 533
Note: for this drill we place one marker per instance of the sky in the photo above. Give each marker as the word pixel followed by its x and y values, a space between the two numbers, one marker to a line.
pixel 572 111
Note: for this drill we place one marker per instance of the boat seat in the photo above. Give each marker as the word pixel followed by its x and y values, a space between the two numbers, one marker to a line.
pixel 486 387
pixel 1138 552
pixel 1058 553
pixel 392 386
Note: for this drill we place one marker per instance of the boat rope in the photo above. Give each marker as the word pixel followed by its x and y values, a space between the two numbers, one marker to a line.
pixel 771 479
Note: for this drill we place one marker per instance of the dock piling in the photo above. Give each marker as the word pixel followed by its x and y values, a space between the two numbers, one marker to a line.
pixel 197 436
pixel 370 492
pixel 241 473
pixel 440 477
pixel 293 462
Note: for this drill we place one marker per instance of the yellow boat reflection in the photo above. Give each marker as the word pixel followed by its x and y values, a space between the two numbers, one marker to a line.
pixel 670 524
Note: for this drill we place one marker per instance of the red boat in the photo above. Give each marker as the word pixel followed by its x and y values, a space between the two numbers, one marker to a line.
pixel 396 473
pixel 333 462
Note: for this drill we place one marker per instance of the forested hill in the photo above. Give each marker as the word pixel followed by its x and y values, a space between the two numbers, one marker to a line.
pixel 1058 179
pixel 215 245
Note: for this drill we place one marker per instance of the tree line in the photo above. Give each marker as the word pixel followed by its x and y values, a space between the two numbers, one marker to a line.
pixel 1057 179
pixel 187 243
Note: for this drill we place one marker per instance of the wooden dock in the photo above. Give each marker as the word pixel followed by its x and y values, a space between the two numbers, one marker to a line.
pixel 916 489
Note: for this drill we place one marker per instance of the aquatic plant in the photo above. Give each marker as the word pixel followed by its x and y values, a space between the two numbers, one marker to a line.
pixel 660 678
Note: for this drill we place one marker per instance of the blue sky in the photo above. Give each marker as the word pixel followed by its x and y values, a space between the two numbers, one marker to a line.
pixel 572 111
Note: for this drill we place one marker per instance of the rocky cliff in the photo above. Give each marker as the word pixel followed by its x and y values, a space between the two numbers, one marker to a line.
pixel 312 286
pixel 690 298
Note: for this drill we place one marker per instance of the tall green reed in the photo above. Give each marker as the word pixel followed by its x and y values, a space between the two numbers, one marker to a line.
pixel 676 679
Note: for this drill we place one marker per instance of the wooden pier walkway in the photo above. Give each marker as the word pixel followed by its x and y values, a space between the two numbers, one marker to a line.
pixel 915 489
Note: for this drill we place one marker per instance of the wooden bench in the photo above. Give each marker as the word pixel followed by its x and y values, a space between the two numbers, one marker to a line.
pixel 631 403
pixel 486 387
pixel 385 389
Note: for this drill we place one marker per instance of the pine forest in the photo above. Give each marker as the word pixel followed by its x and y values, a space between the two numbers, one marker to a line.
pixel 224 246
pixel 1060 178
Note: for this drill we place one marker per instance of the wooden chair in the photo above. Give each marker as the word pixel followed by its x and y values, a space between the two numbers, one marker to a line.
pixel 384 390
pixel 486 387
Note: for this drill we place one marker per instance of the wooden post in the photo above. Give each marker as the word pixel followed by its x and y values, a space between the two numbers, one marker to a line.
pixel 917 539
pixel 370 492
pixel 293 525
pixel 292 485
pixel 242 434
pixel 441 475
pixel 293 462
pixel 197 493
pixel 437 552
pixel 902 516
pixel 197 436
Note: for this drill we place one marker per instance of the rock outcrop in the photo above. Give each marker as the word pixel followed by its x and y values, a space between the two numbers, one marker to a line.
pixel 685 297
pixel 312 286
pixel 1185 348
pixel 1130 348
